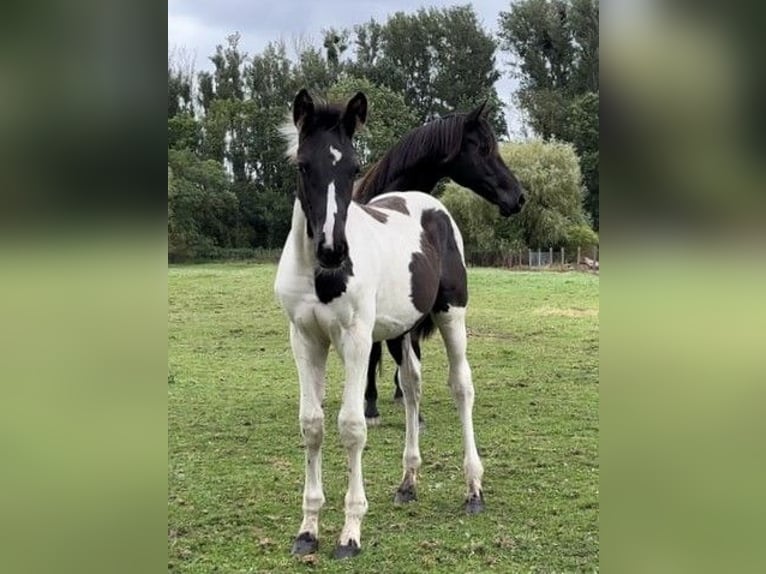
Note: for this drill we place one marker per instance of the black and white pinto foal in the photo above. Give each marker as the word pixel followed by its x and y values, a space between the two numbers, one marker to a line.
pixel 352 274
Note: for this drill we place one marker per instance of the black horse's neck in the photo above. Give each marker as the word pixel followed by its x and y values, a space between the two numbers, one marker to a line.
pixel 422 176
pixel 417 162
pixel 417 178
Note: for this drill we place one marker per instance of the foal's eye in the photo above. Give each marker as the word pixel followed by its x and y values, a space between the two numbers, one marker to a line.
pixel 357 169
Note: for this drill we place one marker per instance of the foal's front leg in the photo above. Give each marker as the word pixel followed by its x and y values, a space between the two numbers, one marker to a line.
pixel 354 348
pixel 310 356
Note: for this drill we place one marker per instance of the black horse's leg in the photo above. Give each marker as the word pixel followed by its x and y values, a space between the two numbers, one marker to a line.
pixel 398 396
pixel 371 392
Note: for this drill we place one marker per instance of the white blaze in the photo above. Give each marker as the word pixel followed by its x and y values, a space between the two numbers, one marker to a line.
pixel 336 155
pixel 332 209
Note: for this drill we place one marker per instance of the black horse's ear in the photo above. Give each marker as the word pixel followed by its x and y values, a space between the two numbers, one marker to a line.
pixel 356 113
pixel 475 114
pixel 303 107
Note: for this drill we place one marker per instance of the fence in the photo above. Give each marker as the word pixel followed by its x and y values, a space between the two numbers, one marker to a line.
pixel 583 258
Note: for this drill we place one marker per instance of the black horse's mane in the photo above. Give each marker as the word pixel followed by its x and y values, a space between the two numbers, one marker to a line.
pixel 438 141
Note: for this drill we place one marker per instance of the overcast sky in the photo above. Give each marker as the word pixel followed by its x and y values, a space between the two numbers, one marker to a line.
pixel 198 25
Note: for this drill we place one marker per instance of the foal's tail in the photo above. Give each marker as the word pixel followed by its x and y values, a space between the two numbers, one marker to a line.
pixel 424 329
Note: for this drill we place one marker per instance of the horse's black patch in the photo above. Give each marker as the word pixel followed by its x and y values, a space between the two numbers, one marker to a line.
pixel 379 215
pixel 438 276
pixel 331 284
pixel 425 268
pixel 394 203
pixel 453 283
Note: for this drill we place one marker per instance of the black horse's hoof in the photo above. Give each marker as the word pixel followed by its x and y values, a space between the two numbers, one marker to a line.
pixel 474 504
pixel 373 421
pixel 371 410
pixel 305 543
pixel 405 494
pixel 346 550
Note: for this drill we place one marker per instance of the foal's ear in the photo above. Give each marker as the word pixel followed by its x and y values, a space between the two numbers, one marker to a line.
pixel 355 114
pixel 303 107
pixel 474 115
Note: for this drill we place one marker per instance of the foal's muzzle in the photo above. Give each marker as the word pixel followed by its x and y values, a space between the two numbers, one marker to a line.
pixel 332 258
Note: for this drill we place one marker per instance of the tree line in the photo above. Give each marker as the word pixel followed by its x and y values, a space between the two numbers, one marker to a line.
pixel 229 186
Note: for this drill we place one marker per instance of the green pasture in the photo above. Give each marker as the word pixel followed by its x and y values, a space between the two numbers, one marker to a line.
pixel 235 472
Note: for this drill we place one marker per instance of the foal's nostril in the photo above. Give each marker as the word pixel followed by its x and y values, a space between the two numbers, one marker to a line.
pixel 331 258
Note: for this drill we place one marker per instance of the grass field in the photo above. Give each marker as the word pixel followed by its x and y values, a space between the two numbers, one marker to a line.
pixel 235 474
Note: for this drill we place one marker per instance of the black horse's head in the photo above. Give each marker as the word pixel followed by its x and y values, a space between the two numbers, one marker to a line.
pixel 327 166
pixel 477 165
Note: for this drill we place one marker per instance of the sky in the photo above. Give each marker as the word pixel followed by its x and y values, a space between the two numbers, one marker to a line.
pixel 196 26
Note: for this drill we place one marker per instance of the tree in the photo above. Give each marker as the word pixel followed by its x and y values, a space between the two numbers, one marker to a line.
pixel 180 73
pixel 388 118
pixel 441 60
pixel 226 81
pixel 270 78
pixel 556 46
pixel 202 211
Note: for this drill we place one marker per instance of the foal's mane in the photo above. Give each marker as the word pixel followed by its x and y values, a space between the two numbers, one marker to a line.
pixel 438 141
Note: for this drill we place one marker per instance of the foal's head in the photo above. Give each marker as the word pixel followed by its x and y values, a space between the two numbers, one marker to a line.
pixel 327 164
pixel 477 165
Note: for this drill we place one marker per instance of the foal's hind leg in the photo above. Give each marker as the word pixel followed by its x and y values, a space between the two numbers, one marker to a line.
pixel 452 327
pixel 410 378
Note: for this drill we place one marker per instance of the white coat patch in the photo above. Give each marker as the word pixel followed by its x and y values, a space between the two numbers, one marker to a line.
pixel 336 155
pixel 332 209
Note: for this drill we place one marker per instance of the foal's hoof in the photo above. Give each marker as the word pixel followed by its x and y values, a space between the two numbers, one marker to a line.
pixel 346 550
pixel 373 421
pixel 305 543
pixel 474 504
pixel 405 494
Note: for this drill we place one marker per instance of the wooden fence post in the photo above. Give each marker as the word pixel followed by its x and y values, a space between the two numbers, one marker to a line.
pixel 578 257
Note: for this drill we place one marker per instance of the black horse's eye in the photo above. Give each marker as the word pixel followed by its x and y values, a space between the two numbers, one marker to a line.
pixel 303 168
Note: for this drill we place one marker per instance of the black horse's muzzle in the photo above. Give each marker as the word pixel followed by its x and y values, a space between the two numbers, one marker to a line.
pixel 507 209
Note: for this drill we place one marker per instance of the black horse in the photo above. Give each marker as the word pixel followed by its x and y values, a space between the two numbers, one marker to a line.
pixel 461 147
